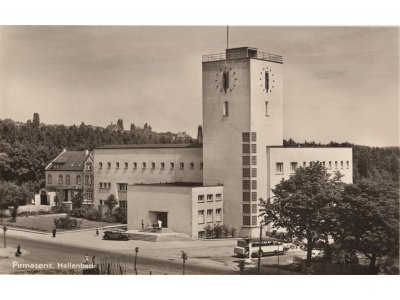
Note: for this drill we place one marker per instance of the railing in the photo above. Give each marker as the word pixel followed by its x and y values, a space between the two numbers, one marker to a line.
pixel 259 55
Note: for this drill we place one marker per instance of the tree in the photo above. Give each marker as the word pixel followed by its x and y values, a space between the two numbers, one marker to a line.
pixel 111 202
pixel 303 205
pixel 369 220
pixel 77 200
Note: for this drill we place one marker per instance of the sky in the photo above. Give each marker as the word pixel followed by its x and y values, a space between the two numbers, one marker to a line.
pixel 340 83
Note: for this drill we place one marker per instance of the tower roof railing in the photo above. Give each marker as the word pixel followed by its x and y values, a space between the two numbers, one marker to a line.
pixel 258 55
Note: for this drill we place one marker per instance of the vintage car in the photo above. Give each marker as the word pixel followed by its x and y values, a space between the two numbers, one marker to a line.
pixel 115 234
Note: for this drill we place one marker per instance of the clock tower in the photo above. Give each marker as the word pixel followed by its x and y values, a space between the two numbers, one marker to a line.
pixel 242 115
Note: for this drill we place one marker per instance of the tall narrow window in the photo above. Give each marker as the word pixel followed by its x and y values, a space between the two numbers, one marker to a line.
pixel 49 179
pixel 78 180
pixel 279 168
pixel 225 83
pixel 226 109
pixel 266 108
pixel 348 164
pixel 266 82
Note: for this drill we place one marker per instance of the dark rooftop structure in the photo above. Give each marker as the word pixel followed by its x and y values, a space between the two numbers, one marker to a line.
pixel 70 161
pixel 150 146
pixel 243 52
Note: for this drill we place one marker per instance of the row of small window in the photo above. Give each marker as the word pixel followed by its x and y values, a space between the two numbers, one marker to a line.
pixel 246 172
pixel 246 148
pixel 246 137
pixel 153 165
pixel 210 198
pixel 246 184
pixel 246 208
pixel 247 219
pixel 121 203
pixel 78 180
pixel 122 187
pixel 248 195
pixel 210 216
pixel 294 166
pixel 246 160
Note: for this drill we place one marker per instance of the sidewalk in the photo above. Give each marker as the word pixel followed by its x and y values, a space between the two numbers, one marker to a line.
pixel 200 252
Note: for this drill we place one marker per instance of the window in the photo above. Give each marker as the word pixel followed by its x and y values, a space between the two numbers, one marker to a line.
pixel 245 137
pixel 304 164
pixel 218 197
pixel 254 172
pixel 109 185
pixel 266 82
pixel 254 220
pixel 162 166
pixel 209 197
pixel 88 166
pixel 246 196
pixel 323 164
pixel 191 166
pixel 182 166
pixel 91 180
pixel 266 109
pixel 246 172
pixel 67 180
pixel 218 215
pixel 201 166
pixel 172 166
pixel 253 196
pixel 135 165
pixel 246 208
pixel 246 160
pixel 254 160
pixel 200 198
pixel 246 148
pixel 60 179
pixel 341 164
pixel 209 215
pixel 335 164
pixel 101 185
pixel 49 179
pixel 108 165
pixel 123 187
pixel 123 204
pixel 246 184
pixel 225 80
pixel 254 184
pixel 78 179
pixel 87 179
pixel 117 165
pixel 126 165
pixel 279 168
pixel 348 164
pixel 226 109
pixel 293 167
pixel 100 165
pixel 101 202
pixel 144 165
pixel 200 217
pixel 253 148
pixel 153 165
pixel 89 194
pixel 254 208
pixel 254 136
pixel 246 220
pixel 330 165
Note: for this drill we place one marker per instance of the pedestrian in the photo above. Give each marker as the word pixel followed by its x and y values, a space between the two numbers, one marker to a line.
pixel 142 224
pixel 54 232
pixel 93 260
pixel 97 232
pixel 159 224
pixel 86 257
pixel 18 253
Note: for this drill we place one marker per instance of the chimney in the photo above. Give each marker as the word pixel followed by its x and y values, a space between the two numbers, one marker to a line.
pixel 86 152
pixel 200 134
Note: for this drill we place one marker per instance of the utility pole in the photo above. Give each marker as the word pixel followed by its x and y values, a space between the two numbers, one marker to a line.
pixel 227 37
pixel 259 250
pixel 4 230
pixel 136 252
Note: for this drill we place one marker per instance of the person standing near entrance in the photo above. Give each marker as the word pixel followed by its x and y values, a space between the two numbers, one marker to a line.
pixel 142 224
pixel 159 224
pixel 54 232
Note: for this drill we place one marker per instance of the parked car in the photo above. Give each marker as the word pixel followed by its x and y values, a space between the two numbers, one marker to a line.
pixel 116 234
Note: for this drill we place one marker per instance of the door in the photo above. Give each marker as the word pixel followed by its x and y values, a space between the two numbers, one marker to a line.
pixel 43 198
pixel 163 216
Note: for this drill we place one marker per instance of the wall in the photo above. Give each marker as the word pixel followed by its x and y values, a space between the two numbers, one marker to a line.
pixel 175 200
pixel 130 175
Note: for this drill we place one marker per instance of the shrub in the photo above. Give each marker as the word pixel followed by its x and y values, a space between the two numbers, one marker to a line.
pixel 59 209
pixel 77 212
pixel 217 231
pixel 91 214
pixel 67 223
pixel 209 230
pixel 120 215
pixel 233 232
pixel 225 231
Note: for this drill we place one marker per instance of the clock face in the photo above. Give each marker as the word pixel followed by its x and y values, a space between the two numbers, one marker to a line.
pixel 267 80
pixel 226 79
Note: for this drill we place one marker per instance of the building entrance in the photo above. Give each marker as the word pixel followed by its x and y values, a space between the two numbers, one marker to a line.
pixel 159 215
pixel 43 198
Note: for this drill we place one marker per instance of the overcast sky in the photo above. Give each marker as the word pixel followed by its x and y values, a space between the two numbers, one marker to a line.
pixel 340 83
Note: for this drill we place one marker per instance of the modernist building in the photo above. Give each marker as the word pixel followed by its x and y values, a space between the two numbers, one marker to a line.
pixel 69 173
pixel 239 159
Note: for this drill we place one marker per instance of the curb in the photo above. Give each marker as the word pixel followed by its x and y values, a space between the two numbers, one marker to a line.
pixel 61 232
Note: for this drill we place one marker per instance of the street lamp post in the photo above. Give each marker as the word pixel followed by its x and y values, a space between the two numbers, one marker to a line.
pixel 136 252
pixel 278 258
pixel 259 250
pixel 4 230
pixel 184 259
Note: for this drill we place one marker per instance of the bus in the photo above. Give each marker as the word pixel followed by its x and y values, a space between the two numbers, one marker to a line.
pixel 268 246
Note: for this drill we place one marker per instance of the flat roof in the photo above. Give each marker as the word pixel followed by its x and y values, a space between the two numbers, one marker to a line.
pixel 310 147
pixel 151 146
